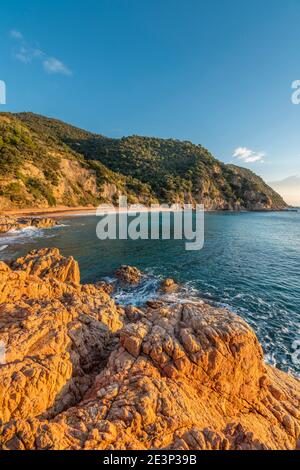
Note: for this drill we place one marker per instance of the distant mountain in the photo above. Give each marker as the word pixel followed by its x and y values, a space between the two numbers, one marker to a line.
pixel 289 188
pixel 46 162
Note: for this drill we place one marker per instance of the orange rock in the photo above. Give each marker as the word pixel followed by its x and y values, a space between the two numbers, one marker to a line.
pixel 48 263
pixel 128 275
pixel 81 373
pixel 168 285
pixel 12 223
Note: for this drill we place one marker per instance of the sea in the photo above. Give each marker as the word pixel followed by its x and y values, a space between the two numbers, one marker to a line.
pixel 250 263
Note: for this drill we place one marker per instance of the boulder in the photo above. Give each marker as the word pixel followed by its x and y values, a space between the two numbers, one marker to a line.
pixel 8 223
pixel 128 275
pixel 43 222
pixel 168 286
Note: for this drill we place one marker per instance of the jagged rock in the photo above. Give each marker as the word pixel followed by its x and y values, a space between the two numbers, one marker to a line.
pixel 54 333
pixel 168 286
pixel 11 223
pixel 43 222
pixel 133 313
pixel 128 275
pixel 155 304
pixel 48 263
pixel 7 224
pixel 106 286
pixel 82 373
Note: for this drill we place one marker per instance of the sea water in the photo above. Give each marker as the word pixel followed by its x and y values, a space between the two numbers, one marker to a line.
pixel 250 263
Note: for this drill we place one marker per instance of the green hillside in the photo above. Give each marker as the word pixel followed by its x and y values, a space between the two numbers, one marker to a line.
pixel 45 162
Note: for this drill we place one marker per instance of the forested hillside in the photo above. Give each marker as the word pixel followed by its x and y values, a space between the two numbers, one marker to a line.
pixel 45 162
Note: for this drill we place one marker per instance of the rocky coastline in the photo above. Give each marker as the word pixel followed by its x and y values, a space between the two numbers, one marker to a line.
pixel 8 223
pixel 78 371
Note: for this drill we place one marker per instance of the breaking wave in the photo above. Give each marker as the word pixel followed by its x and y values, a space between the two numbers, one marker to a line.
pixel 26 235
pixel 267 323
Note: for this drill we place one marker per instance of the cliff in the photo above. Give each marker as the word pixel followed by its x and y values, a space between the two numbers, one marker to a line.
pixel 80 372
pixel 45 162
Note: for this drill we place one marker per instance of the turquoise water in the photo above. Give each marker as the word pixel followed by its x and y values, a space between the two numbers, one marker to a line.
pixel 250 263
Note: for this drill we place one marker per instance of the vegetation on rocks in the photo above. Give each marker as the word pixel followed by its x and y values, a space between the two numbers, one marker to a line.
pixel 45 162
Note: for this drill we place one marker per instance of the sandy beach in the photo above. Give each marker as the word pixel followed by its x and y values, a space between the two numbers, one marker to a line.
pixel 50 211
pixel 62 211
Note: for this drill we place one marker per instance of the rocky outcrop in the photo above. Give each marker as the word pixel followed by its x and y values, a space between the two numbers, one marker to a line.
pixel 168 286
pixel 128 275
pixel 48 263
pixel 55 335
pixel 82 373
pixel 8 224
pixel 43 222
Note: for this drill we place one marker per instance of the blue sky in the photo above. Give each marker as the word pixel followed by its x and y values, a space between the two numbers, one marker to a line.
pixel 214 72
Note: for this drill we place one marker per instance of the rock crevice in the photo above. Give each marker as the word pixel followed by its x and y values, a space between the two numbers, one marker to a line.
pixel 83 373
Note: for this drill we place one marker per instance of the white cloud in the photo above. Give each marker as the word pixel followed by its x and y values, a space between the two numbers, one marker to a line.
pixel 52 65
pixel 26 53
pixel 15 34
pixel 23 55
pixel 248 155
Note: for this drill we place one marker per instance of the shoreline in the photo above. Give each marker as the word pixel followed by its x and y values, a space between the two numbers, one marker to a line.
pixel 61 211
pixel 77 211
pixel 53 211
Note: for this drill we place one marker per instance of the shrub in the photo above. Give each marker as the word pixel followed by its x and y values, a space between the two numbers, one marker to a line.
pixel 40 190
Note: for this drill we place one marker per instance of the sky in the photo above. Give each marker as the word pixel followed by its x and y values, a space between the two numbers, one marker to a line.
pixel 218 73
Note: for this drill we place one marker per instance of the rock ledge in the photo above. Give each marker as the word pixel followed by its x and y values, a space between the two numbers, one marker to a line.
pixel 82 373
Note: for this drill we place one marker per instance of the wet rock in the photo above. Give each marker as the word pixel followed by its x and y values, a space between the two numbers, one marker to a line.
pixel 128 275
pixel 154 304
pixel 7 224
pixel 107 287
pixel 43 222
pixel 168 286
pixel 12 223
